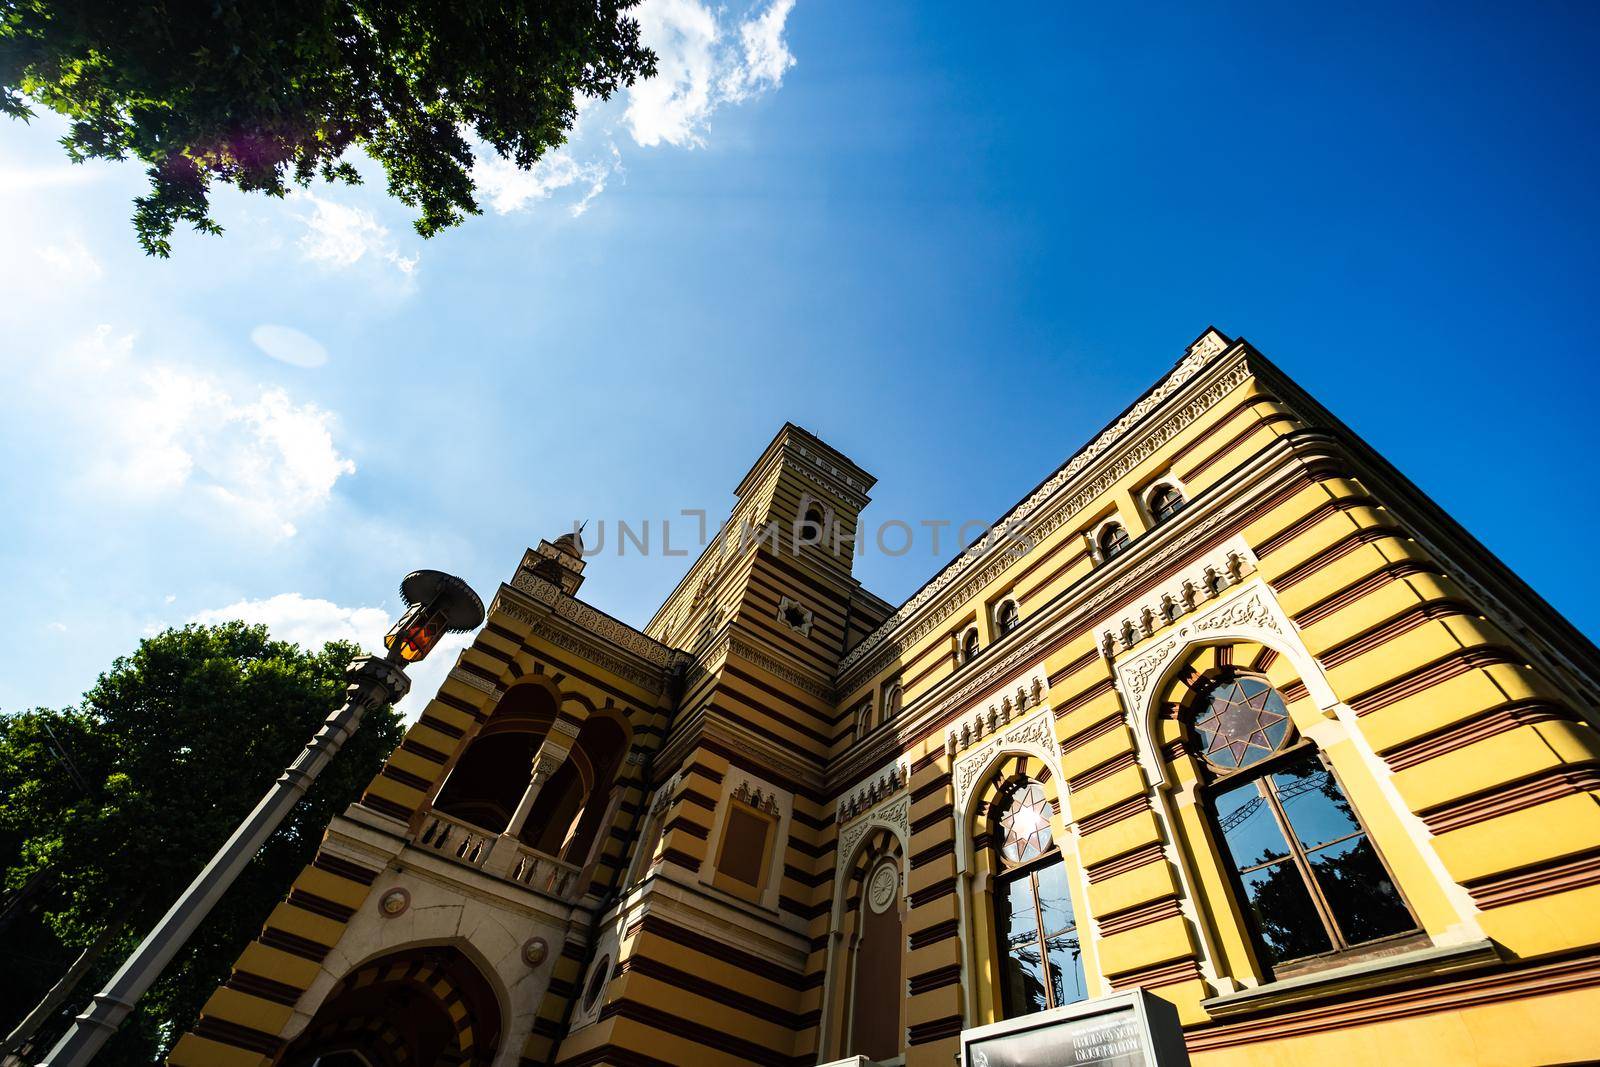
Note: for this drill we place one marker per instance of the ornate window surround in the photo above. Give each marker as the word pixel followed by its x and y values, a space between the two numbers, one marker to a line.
pixel 741 787
pixel 1250 611
pixel 1169 480
pixel 1093 534
pixel 975 759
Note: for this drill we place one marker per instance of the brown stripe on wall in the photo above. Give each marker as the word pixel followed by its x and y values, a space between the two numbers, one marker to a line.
pixel 1429 675
pixel 246 1037
pixel 719 950
pixel 427 752
pixel 930 935
pixel 317 905
pixel 1386 631
pixel 1074 667
pixel 266 988
pixel 1114 814
pixel 1459 735
pixel 1393 572
pixel 406 778
pixel 669 1023
pixel 434 723
pixel 1128 861
pixel 1509 798
pixel 930 893
pixel 1096 730
pixel 1159 975
pixel 934 1030
pixel 1136 917
pixel 1100 773
pixel 385 806
pixel 762 1009
pixel 1333 553
pixel 938 978
pixel 352 872
pixel 1100 688
pixel 293 944
pixel 1543 879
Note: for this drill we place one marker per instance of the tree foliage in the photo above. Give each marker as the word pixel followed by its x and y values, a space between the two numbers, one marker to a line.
pixel 108 810
pixel 260 94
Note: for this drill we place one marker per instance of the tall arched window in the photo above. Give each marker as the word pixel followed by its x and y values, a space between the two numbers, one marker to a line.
pixel 488 780
pixel 893 696
pixel 1009 618
pixel 1112 541
pixel 1311 881
pixel 969 646
pixel 1164 503
pixel 1041 965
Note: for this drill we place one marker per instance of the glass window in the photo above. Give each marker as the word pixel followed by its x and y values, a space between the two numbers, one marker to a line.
pixel 969 646
pixel 1241 720
pixel 1113 539
pixel 1042 966
pixel 1311 880
pixel 1165 503
pixel 1010 617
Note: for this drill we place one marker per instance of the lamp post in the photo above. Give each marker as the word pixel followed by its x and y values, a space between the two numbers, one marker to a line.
pixel 437 603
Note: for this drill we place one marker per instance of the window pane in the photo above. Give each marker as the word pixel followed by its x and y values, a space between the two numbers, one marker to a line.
pixel 1285 918
pixel 1055 901
pixel 1022 971
pixel 1015 920
pixel 1364 901
pixel 1314 803
pixel 1066 970
pixel 1248 828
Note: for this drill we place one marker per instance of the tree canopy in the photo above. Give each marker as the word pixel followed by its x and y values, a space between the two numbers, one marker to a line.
pixel 261 94
pixel 108 810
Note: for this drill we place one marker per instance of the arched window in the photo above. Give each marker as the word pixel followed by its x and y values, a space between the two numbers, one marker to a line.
pixel 1164 503
pixel 1310 879
pixel 1009 618
pixel 1112 540
pixel 969 646
pixel 488 780
pixel 864 718
pixel 893 696
pixel 1041 964
pixel 573 803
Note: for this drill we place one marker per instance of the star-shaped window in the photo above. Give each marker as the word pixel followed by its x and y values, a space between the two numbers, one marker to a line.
pixel 1025 824
pixel 1242 720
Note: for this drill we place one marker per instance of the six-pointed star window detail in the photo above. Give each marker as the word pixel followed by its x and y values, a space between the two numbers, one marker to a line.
pixel 1025 822
pixel 1244 720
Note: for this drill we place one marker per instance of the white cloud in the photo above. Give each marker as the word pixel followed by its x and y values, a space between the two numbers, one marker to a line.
pixel 766 55
pixel 706 57
pixel 57 627
pixel 310 622
pixel 341 236
pixel 704 61
pixel 161 432
pixel 288 345
pixel 35 179
pixel 509 188
pixel 72 260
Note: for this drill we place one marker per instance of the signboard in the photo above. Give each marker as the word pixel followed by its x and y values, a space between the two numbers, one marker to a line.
pixel 1131 1029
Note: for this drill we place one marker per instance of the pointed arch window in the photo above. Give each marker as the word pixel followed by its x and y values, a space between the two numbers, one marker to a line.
pixel 1041 963
pixel 1310 879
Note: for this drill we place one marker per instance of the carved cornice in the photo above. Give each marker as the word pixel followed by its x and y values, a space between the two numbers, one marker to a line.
pixel 894 814
pixel 1035 734
pixel 883 783
pixel 802 680
pixel 1050 506
pixel 593 620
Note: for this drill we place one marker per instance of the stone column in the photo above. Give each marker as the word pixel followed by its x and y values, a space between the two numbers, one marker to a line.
pixel 546 762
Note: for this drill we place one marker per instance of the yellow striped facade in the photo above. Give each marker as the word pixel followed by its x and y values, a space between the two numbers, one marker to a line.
pixel 794 856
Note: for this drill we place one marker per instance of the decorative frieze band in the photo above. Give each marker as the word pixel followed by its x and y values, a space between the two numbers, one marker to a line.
pixel 1027 694
pixel 1180 595
pixel 888 780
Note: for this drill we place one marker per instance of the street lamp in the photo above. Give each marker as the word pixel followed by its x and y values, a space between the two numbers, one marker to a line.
pixel 437 603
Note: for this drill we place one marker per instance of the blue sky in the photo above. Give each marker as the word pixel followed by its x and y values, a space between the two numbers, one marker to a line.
pixel 952 241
